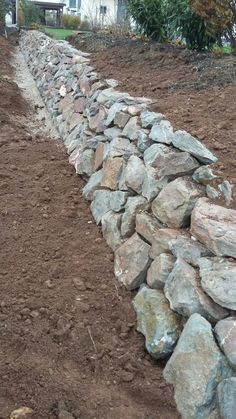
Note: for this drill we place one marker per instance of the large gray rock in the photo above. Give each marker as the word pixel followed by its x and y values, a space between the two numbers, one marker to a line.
pixel 84 163
pixel 109 96
pixel 143 140
pixel 159 270
pixel 100 204
pixel 218 280
pixel 131 128
pixel 133 205
pixel 114 109
pixel 162 239
pixel 162 132
pixel 226 392
pixel 122 147
pixel 153 154
pixel 211 192
pixel 152 184
pixel 93 184
pixel 148 119
pixel 195 369
pixel 112 133
pixel 111 223
pixel 186 297
pixel 134 174
pixel 121 119
pixel 111 172
pixel 132 262
pixel 185 142
pixel 203 175
pixel 118 200
pixel 147 225
pixel 174 204
pixel 188 249
pixel 215 227
pixel 160 326
pixel 225 331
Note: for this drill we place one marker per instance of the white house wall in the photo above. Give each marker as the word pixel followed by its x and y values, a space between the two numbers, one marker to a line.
pixel 90 10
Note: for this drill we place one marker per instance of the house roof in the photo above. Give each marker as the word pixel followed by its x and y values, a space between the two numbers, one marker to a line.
pixel 49 5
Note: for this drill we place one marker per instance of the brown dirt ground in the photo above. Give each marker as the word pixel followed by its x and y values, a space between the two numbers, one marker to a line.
pixel 196 91
pixel 68 338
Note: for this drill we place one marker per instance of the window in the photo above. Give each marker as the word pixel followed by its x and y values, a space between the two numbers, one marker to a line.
pixel 72 4
pixel 103 10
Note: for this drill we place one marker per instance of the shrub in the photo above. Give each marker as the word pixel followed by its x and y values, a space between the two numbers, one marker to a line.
pixel 30 13
pixel 71 21
pixel 85 26
pixel 5 7
pixel 149 16
pixel 168 19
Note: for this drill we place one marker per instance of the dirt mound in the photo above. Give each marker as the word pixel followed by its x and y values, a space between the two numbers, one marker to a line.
pixel 68 339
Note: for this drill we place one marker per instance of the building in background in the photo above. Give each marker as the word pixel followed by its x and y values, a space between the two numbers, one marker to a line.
pixel 102 12
pixel 96 12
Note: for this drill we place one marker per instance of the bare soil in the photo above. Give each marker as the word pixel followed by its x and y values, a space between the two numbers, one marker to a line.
pixel 68 339
pixel 196 91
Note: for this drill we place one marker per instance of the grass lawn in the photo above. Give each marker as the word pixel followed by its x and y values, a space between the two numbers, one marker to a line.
pixel 59 33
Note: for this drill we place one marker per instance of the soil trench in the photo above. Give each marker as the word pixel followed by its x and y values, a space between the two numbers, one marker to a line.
pixel 68 339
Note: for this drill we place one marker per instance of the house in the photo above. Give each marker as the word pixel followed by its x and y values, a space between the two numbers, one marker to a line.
pixel 103 12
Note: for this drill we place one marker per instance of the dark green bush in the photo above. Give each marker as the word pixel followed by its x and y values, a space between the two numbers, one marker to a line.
pixel 168 19
pixel 149 17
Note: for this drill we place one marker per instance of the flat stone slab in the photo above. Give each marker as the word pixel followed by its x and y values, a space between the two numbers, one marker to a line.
pixel 215 227
pixel 185 142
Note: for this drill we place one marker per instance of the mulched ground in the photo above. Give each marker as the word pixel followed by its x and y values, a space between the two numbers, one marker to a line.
pixel 196 91
pixel 68 338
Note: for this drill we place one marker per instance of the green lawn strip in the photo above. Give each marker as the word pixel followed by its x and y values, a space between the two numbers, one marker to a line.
pixel 59 33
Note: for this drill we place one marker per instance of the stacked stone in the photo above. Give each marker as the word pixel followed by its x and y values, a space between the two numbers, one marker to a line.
pixel 149 189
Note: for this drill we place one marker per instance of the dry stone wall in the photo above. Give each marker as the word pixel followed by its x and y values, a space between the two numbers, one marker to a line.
pixel 148 186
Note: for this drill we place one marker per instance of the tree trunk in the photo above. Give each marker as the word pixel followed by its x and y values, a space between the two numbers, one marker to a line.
pixel 2 20
pixel 2 23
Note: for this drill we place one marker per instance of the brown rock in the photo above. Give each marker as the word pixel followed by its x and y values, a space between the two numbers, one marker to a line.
pixel 79 105
pixel 97 122
pixel 147 225
pixel 111 172
pixel 161 241
pixel 99 156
